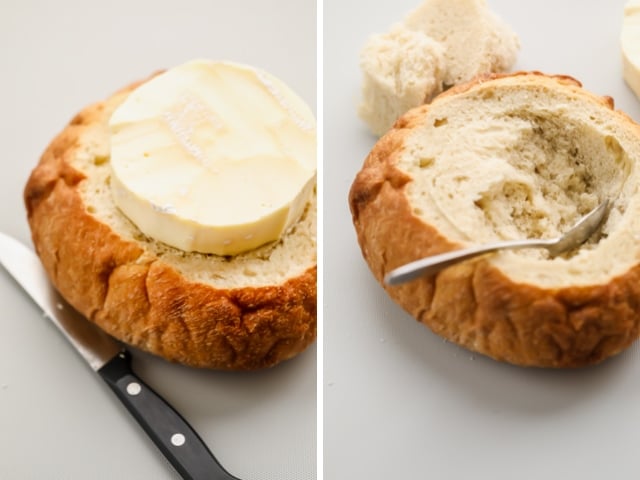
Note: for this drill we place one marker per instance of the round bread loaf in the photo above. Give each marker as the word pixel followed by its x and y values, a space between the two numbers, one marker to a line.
pixel 244 312
pixel 510 157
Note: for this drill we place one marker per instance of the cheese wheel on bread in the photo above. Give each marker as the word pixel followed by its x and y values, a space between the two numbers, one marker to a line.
pixel 245 311
pixel 507 157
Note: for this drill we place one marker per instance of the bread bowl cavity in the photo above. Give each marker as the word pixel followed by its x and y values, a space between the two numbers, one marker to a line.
pixel 527 162
pixel 510 157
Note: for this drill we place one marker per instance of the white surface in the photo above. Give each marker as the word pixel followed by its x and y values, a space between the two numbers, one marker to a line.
pixel 57 418
pixel 398 401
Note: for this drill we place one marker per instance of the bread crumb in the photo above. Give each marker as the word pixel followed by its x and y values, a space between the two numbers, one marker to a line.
pixel 514 166
pixel 402 68
pixel 440 44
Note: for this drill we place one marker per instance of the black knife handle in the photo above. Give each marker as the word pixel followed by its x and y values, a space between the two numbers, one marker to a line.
pixel 171 433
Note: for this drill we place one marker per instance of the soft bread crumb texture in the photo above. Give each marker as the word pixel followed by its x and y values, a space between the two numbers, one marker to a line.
pixel 438 45
pixel 510 157
pixel 401 69
pixel 475 40
pixel 245 312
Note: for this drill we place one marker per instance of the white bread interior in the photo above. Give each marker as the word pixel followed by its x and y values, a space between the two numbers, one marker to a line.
pixel 529 159
pixel 440 44
pixel 475 40
pixel 401 69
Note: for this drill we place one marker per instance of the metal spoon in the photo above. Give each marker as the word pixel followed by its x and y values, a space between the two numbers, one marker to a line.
pixel 575 236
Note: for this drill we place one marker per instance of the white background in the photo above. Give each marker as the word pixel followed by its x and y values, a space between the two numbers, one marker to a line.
pixel 399 403
pixel 57 419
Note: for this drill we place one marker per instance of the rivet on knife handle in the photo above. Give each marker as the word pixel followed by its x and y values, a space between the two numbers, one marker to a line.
pixel 171 433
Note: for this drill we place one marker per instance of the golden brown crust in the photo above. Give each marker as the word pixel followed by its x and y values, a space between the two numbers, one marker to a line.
pixel 474 304
pixel 145 302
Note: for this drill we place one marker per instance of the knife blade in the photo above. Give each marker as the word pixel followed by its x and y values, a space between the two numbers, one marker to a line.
pixel 170 432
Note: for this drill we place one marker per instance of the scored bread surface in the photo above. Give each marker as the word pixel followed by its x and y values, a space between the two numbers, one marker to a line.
pixel 243 312
pixel 510 157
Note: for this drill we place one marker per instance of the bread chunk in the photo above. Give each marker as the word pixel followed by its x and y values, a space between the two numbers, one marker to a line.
pixel 438 45
pixel 401 68
pixel 245 312
pixel 510 157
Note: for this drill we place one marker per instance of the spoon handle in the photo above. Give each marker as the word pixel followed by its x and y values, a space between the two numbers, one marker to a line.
pixel 431 265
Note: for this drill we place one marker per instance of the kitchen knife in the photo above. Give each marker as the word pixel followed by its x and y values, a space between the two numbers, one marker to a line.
pixel 175 438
